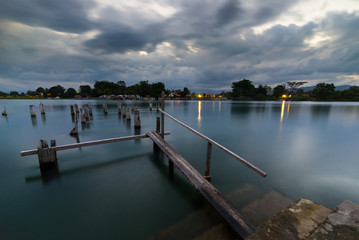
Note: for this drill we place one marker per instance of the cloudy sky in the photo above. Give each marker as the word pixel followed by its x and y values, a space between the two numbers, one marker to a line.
pixel 199 44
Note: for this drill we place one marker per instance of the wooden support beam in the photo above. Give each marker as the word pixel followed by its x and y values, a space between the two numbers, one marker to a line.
pixel 47 156
pixel 89 143
pixel 229 213
pixel 208 162
pixel 162 114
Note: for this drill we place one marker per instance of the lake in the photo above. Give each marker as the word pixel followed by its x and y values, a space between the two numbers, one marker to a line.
pixel 123 191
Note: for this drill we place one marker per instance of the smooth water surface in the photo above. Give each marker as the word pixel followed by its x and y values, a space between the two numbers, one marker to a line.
pixel 123 191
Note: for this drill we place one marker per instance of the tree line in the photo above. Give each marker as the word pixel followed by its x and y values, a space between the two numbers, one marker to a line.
pixel 241 90
pixel 245 90
pixel 143 89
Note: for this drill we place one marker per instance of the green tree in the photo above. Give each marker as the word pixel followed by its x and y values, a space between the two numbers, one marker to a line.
pixel 57 91
pixel 70 93
pixel 278 91
pixel 85 90
pixel 105 88
pixel 122 87
pixel 261 92
pixel 243 89
pixel 40 91
pixel 293 88
pixel 323 91
pixel 14 94
pixel 156 89
pixel 145 89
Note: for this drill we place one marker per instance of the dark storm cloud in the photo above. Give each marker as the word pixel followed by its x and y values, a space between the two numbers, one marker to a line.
pixel 120 39
pixel 228 12
pixel 202 45
pixel 64 15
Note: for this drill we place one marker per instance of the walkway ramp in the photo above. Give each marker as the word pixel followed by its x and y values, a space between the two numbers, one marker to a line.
pixel 229 213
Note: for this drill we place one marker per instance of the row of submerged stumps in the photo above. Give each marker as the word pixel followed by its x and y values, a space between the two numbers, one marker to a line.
pixel 85 112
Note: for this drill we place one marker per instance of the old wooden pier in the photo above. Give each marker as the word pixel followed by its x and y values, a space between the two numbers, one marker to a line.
pixel 48 158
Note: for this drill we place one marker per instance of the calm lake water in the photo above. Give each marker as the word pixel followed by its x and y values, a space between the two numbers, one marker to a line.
pixel 122 191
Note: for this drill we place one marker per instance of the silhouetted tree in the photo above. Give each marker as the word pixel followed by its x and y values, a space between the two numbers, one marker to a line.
pixel 243 89
pixel 278 91
pixel 70 93
pixel 85 90
pixel 57 91
pixel 323 91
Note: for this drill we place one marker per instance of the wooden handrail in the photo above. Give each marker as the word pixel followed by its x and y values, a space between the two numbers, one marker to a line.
pixel 89 143
pixel 242 160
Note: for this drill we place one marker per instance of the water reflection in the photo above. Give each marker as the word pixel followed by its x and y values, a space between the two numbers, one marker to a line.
pixel 43 118
pixel 282 111
pixel 34 121
pixel 199 113
pixel 320 111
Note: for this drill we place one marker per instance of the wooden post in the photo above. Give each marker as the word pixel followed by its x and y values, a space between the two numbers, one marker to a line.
pixel 32 111
pixel 90 109
pixel 162 115
pixel 128 114
pixel 83 119
pixel 157 107
pixel 4 113
pixel 105 110
pixel 86 112
pixel 124 111
pixel 47 156
pixel 151 107
pixel 208 162
pixel 75 131
pixel 42 108
pixel 72 110
pixel 158 124
pixel 119 108
pixel 137 121
pixel 77 108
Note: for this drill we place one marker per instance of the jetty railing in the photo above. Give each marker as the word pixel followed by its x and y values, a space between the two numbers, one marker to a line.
pixel 209 149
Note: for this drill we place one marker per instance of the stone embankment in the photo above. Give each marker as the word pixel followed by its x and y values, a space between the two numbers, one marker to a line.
pixel 311 221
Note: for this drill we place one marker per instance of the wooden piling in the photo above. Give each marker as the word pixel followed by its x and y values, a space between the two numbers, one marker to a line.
pixel 105 110
pixel 47 156
pixel 151 107
pixel 90 109
pixel 124 111
pixel 32 111
pixel 162 115
pixel 208 162
pixel 83 119
pixel 128 114
pixel 119 108
pixel 77 108
pixel 72 110
pixel 42 108
pixel 4 113
pixel 86 112
pixel 136 117
pixel 75 131
pixel 158 124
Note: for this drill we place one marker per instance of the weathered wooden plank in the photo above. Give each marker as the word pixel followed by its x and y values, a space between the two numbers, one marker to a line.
pixel 89 143
pixel 242 160
pixel 214 197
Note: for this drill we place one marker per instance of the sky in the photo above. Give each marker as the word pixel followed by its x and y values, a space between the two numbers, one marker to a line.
pixel 203 45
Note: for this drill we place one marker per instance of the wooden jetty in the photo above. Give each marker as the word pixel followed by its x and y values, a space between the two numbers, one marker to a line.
pixel 229 213
pixel 217 200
